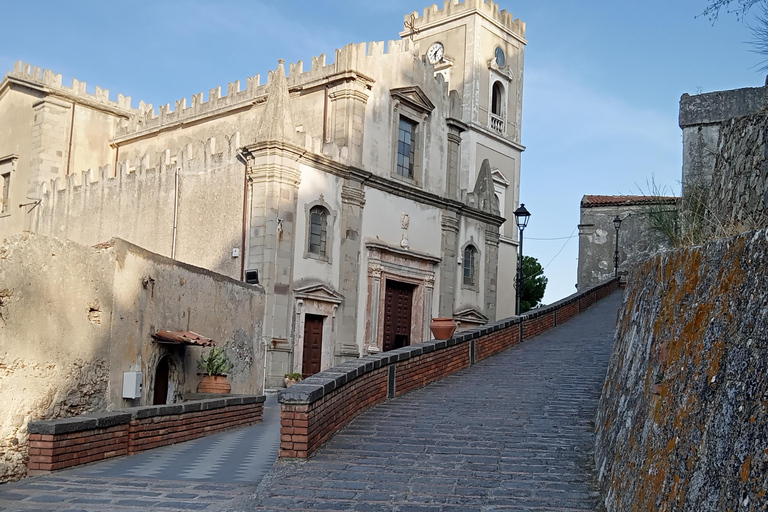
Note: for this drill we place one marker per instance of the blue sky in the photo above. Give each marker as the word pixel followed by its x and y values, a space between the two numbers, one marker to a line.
pixel 602 78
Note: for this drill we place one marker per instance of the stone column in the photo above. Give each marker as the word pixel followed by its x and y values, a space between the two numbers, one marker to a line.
pixel 429 288
pixel 374 290
pixel 448 266
pixel 352 203
pixel 491 270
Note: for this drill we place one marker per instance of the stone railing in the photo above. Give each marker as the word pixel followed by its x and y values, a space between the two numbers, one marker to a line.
pixel 497 124
pixel 67 442
pixel 314 409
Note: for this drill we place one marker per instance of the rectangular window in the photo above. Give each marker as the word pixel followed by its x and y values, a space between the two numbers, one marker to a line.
pixel 6 184
pixel 406 144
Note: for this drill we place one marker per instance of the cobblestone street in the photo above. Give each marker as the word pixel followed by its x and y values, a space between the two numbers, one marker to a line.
pixel 514 432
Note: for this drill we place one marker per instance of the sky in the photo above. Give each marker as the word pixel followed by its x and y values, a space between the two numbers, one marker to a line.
pixel 602 82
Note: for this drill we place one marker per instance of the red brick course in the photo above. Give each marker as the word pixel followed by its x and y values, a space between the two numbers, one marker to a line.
pixel 307 421
pixel 49 452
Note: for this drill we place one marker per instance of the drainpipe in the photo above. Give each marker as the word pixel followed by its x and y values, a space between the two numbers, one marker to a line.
pixel 71 134
pixel 175 212
pixel 242 156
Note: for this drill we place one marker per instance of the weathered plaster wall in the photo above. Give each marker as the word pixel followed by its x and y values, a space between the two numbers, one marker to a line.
pixel 74 318
pixel 138 205
pixel 597 241
pixel 683 419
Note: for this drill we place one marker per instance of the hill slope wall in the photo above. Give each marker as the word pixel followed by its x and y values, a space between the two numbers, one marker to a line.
pixel 683 418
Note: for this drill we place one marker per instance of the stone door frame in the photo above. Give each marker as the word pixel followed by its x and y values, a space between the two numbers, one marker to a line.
pixel 385 263
pixel 321 300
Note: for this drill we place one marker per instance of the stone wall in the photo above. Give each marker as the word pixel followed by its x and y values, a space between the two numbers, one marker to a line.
pixel 74 318
pixel 683 419
pixel 737 197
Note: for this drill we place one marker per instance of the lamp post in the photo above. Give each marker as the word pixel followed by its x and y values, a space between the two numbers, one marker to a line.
pixel 617 225
pixel 521 217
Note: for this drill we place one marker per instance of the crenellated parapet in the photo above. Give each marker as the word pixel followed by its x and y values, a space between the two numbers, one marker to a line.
pixel 455 8
pixel 359 61
pixel 52 82
pixel 195 158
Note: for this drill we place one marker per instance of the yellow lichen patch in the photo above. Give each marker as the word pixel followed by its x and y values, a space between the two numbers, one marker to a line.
pixel 745 470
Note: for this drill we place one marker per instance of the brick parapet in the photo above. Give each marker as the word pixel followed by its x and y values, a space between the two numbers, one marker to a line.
pixel 67 442
pixel 314 409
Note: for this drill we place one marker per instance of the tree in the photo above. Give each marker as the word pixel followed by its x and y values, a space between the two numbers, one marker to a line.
pixel 534 284
pixel 759 28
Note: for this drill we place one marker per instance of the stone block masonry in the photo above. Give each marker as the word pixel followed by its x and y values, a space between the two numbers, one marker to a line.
pixel 313 410
pixel 59 444
pixel 683 418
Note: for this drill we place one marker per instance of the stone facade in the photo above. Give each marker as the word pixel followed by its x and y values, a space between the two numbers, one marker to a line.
pixel 683 418
pixel 296 181
pixel 74 318
pixel 637 239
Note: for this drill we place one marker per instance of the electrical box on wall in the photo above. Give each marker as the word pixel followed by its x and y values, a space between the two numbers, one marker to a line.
pixel 131 385
pixel 235 252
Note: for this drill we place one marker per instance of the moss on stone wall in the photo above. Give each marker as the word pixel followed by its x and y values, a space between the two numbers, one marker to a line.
pixel 683 419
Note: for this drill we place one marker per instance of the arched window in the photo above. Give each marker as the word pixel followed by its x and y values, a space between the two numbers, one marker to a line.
pixel 469 265
pixel 317 230
pixel 497 99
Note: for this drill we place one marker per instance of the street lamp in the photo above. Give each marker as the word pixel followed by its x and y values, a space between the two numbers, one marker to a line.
pixel 521 217
pixel 617 225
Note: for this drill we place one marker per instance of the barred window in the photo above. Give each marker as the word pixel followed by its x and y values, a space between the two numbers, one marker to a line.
pixel 469 265
pixel 317 230
pixel 5 183
pixel 406 144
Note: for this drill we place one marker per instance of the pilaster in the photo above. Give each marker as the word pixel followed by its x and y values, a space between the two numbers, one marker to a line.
pixel 448 266
pixel 352 203
pixel 491 271
pixel 50 141
pixel 348 102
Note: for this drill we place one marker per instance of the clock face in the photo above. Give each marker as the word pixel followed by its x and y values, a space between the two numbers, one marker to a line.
pixel 501 59
pixel 435 53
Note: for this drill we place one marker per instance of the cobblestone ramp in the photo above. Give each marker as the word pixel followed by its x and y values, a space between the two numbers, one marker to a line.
pixel 204 474
pixel 514 432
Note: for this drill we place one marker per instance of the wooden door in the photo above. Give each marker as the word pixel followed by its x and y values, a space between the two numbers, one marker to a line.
pixel 313 345
pixel 398 302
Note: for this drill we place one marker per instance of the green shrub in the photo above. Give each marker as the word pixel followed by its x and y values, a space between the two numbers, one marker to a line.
pixel 216 363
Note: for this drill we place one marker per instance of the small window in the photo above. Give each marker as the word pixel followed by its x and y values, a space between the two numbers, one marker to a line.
pixel 252 276
pixel 496 99
pixel 317 230
pixel 406 144
pixel 6 184
pixel 469 265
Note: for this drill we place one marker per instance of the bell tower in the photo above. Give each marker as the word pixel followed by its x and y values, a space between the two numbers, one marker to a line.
pixel 480 50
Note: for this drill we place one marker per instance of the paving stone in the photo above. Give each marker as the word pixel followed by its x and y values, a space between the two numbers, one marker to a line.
pixel 523 442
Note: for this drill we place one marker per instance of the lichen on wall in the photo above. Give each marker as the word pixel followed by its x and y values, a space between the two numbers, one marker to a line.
pixel 683 418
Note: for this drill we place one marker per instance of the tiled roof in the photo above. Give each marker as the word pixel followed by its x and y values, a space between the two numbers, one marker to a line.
pixel 183 338
pixel 596 201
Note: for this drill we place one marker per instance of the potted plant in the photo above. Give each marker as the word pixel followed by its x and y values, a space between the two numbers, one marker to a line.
pixel 215 365
pixel 291 379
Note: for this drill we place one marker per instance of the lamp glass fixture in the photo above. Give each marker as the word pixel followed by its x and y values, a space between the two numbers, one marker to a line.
pixel 521 216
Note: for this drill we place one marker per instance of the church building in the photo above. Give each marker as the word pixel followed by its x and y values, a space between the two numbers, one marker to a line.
pixel 366 196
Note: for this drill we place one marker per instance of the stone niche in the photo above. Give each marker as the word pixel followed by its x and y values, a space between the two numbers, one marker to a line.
pixel 387 263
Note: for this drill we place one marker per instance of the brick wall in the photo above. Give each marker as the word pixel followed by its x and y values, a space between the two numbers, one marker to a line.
pixel 314 409
pixel 63 443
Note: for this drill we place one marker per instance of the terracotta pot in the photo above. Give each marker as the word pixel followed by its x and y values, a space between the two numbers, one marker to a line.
pixel 442 327
pixel 289 382
pixel 217 384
